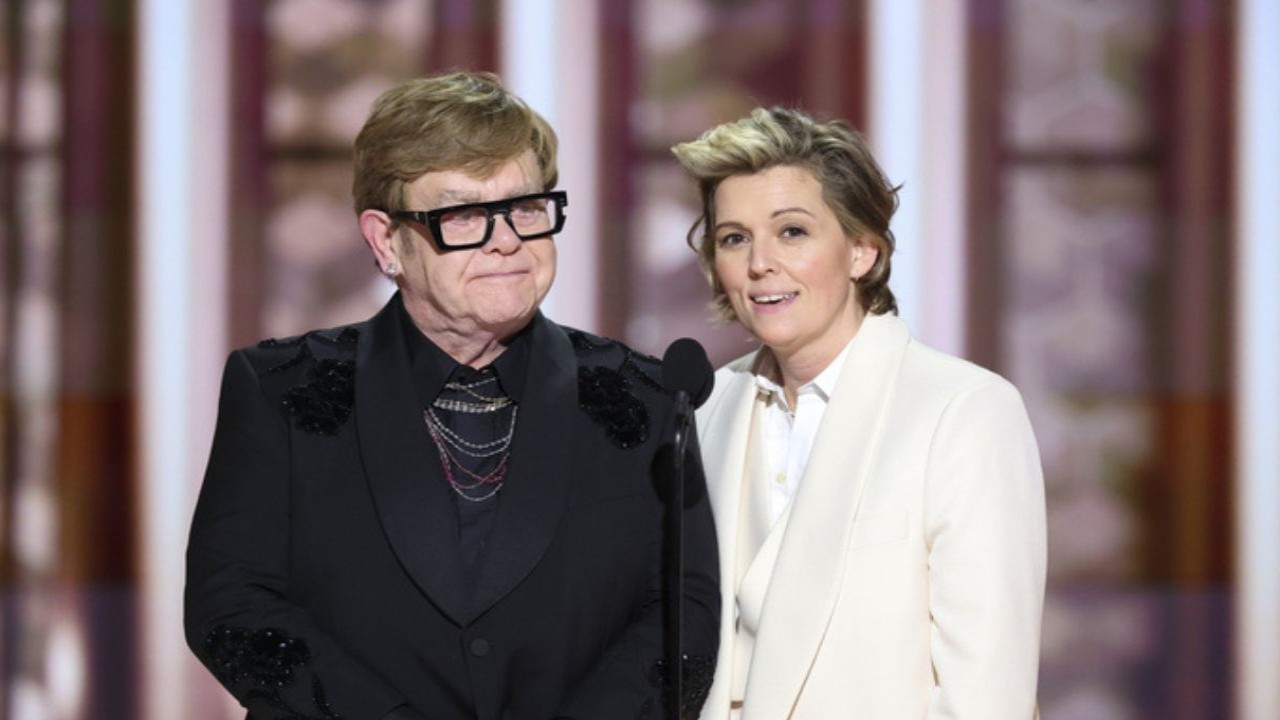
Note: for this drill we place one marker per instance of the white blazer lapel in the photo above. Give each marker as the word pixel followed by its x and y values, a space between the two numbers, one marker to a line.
pixel 724 427
pixel 806 579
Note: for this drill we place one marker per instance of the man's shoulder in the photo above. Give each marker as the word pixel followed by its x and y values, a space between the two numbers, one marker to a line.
pixel 310 377
pixel 619 388
pixel 278 356
pixel 596 351
pixel 320 360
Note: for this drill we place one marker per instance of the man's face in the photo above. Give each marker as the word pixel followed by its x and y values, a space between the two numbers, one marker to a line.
pixel 493 290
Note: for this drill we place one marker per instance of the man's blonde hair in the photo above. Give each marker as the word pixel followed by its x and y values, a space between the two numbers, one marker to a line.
pixel 463 121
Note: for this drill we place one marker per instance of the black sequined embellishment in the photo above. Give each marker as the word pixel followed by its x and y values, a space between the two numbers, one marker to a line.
pixel 348 336
pixel 303 355
pixel 635 364
pixel 323 403
pixel 267 658
pixel 605 395
pixel 583 342
pixel 278 343
pixel 317 695
pixel 696 674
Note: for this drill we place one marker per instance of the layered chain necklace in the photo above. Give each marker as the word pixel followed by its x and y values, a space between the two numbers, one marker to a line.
pixel 464 459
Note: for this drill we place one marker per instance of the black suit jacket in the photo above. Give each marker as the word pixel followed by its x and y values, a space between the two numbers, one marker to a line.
pixel 324 578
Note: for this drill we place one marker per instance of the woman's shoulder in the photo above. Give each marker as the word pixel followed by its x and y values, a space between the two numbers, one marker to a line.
pixel 947 375
pixel 730 379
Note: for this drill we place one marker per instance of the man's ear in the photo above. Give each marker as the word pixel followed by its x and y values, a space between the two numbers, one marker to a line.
pixel 376 227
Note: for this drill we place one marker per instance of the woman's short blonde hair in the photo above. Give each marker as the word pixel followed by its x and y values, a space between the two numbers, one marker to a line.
pixel 853 185
pixel 460 121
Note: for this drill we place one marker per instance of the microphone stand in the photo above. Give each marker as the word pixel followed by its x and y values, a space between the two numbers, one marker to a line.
pixel 675 559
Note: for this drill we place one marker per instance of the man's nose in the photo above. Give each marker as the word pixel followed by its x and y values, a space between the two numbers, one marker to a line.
pixel 503 238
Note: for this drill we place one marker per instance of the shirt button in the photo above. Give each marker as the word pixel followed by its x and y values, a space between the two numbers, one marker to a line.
pixel 781 479
pixel 479 647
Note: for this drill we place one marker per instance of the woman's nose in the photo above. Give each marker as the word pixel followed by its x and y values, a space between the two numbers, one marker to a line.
pixel 761 260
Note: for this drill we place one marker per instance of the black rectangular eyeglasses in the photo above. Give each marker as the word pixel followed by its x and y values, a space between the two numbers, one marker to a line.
pixel 461 227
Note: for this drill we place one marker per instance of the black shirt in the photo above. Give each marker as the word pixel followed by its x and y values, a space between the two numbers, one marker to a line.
pixel 432 368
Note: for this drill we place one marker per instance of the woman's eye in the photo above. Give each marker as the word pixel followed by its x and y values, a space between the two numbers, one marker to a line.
pixel 731 239
pixel 793 231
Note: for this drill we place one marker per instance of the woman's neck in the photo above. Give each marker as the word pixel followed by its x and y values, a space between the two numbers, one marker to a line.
pixel 798 367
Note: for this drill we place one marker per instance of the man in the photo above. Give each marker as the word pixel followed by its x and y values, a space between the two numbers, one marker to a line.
pixel 452 509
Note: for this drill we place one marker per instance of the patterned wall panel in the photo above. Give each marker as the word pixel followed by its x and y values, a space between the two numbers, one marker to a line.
pixel 66 524
pixel 328 61
pixel 31 134
pixel 1078 283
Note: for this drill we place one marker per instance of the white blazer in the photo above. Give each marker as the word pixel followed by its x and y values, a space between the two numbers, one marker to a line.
pixel 907 577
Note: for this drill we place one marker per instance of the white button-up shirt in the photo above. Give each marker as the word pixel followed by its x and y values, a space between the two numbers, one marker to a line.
pixel 789 433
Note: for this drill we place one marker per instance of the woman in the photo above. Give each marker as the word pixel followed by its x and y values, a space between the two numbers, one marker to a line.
pixel 879 505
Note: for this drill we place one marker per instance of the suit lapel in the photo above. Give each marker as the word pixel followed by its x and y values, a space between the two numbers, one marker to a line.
pixel 533 499
pixel 403 469
pixel 806 579
pixel 727 439
pixel 724 430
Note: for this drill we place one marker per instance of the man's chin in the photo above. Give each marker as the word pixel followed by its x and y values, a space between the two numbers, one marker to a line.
pixel 505 323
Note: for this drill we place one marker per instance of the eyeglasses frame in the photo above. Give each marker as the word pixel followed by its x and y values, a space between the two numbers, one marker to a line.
pixel 493 208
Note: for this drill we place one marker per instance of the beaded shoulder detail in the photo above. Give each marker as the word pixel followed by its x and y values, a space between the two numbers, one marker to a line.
pixel 322 402
pixel 593 349
pixel 606 396
pixel 608 375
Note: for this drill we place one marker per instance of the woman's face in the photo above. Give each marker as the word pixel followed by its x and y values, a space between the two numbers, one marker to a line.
pixel 785 264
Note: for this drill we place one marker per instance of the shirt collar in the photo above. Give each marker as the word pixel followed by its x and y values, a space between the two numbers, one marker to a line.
pixel 824 385
pixel 431 366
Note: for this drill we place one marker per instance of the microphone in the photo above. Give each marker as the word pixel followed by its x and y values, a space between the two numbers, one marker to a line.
pixel 685 367
pixel 687 372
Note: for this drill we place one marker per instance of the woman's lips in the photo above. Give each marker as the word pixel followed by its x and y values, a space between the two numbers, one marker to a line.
pixel 767 302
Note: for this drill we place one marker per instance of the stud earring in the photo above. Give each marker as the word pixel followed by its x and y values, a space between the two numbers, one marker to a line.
pixel 392 269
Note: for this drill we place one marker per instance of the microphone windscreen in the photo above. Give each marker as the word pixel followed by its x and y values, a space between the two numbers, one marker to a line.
pixel 685 367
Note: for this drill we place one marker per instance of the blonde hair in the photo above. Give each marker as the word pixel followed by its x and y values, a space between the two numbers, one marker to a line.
pixel 459 121
pixel 853 186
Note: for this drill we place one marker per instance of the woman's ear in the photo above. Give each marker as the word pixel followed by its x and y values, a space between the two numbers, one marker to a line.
pixel 863 257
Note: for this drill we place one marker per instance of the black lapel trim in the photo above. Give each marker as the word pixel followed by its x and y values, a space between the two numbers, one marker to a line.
pixel 403 469
pixel 534 497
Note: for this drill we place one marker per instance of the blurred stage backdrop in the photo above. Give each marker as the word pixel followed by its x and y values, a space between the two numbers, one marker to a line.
pixel 1088 208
